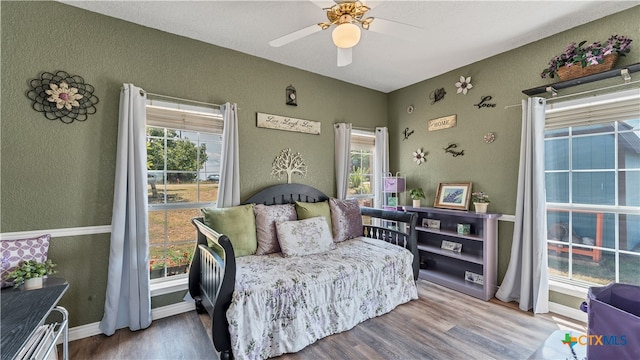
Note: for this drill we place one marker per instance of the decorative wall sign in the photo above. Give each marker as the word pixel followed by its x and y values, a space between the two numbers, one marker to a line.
pixel 437 95
pixel 450 149
pixel 489 138
pixel 406 133
pixel 288 163
pixel 63 97
pixel 442 123
pixel 291 96
pixel 484 104
pixel 269 121
pixel 464 85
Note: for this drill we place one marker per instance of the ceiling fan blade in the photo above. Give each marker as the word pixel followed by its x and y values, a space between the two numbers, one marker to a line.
pixel 323 4
pixel 344 56
pixel 296 35
pixel 393 28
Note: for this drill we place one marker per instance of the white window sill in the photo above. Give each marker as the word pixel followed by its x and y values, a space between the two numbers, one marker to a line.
pixel 578 291
pixel 163 287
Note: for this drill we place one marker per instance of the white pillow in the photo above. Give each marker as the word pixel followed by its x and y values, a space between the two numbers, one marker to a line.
pixel 304 237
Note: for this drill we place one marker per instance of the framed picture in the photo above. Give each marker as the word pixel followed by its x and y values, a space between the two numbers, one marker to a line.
pixel 453 196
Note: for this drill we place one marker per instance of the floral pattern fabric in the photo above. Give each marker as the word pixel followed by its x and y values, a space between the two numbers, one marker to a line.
pixel 281 305
pixel 304 237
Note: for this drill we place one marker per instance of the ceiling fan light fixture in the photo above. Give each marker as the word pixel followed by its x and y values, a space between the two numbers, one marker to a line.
pixel 346 35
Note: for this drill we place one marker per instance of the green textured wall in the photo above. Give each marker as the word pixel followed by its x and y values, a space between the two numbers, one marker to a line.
pixel 493 168
pixel 56 175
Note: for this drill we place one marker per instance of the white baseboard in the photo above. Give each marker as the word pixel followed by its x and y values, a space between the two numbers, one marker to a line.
pixel 575 314
pixel 84 331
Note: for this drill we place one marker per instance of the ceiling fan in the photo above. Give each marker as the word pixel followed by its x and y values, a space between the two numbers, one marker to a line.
pixel 345 16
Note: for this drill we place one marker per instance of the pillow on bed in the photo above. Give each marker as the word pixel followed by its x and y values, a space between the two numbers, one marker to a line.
pixel 308 210
pixel 266 218
pixel 14 252
pixel 346 219
pixel 238 223
pixel 304 237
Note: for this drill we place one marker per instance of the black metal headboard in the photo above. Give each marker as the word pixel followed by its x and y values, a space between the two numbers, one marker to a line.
pixel 287 194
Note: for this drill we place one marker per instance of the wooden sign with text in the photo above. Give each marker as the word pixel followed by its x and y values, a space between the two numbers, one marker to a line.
pixel 269 121
pixel 442 123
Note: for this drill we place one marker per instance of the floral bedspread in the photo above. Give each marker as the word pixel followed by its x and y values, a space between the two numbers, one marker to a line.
pixel 281 305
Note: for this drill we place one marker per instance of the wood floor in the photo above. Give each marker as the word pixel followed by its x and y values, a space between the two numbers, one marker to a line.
pixel 441 324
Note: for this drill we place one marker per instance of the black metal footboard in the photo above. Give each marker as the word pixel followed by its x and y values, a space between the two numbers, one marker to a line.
pixel 404 234
pixel 211 282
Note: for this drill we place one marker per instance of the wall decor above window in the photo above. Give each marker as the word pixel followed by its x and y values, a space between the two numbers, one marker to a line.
pixel 62 96
pixel 276 122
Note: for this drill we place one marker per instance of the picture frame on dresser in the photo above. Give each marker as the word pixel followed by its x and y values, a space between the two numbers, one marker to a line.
pixel 454 196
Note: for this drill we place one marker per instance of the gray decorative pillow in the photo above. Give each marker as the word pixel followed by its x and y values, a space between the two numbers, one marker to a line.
pixel 304 237
pixel 346 219
pixel 266 218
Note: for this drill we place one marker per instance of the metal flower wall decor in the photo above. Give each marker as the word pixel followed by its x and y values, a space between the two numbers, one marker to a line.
pixel 463 85
pixel 418 156
pixel 62 96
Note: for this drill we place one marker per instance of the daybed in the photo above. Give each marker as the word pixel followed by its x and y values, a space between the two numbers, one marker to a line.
pixel 266 305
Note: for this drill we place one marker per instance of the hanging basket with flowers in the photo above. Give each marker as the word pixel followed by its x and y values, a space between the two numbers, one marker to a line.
pixel 577 60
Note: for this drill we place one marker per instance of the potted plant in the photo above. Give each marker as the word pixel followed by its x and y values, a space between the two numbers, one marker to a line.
pixel 416 194
pixel 30 273
pixel 480 201
pixel 597 56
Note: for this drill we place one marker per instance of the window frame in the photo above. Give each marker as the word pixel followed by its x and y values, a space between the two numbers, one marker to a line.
pixel 179 116
pixel 612 108
pixel 364 140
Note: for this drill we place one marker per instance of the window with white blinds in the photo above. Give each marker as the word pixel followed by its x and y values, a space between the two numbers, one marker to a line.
pixel 596 110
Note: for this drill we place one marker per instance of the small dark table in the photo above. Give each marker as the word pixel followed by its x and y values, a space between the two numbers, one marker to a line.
pixel 23 311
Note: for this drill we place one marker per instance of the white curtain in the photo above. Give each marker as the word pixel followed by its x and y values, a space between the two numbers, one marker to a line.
pixel 381 163
pixel 229 186
pixel 128 298
pixel 342 133
pixel 526 280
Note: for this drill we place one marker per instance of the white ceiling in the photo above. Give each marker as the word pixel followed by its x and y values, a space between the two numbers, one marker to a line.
pixel 453 33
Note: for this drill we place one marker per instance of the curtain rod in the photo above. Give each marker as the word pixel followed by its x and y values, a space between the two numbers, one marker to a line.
pixel 179 99
pixel 580 93
pixel 356 128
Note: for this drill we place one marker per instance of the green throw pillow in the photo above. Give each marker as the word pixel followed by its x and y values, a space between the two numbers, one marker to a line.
pixel 238 223
pixel 307 210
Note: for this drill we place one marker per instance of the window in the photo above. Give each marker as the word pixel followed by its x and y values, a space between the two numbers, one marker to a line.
pixel 183 164
pixel 592 170
pixel 360 175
